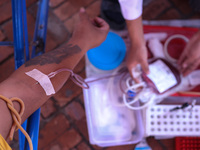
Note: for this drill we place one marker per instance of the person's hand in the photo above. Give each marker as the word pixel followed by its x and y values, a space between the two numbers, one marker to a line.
pixel 91 32
pixel 190 58
pixel 137 55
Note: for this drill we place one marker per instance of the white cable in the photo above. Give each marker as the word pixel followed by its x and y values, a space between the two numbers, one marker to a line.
pixel 135 88
pixel 138 107
pixel 176 36
pixel 138 88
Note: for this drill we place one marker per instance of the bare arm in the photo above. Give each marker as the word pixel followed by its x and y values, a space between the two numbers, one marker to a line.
pixel 138 51
pixel 88 34
pixel 190 58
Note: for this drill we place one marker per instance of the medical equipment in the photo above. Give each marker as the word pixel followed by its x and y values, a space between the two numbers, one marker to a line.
pixel 162 78
pixel 109 124
pixel 45 82
pixel 156 48
pixel 183 39
pixel 119 85
pixel 161 121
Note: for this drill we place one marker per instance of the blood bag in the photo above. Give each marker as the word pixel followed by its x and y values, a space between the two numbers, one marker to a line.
pixel 162 77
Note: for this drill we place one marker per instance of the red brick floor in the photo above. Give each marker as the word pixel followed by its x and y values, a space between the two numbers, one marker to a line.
pixel 63 121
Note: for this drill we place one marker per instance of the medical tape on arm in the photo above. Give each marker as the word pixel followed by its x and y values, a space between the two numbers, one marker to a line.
pixel 43 80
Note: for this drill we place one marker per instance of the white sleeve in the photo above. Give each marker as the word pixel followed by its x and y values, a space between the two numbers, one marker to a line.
pixel 131 9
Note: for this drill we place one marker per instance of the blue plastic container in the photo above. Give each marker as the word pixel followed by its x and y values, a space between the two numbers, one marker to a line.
pixel 110 54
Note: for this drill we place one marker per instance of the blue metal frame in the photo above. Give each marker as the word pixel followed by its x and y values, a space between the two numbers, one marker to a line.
pixel 25 27
pixel 18 44
pixel 20 34
pixel 40 28
pixel 5 43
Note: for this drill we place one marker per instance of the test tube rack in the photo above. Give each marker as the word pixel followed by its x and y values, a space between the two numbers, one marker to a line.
pixel 161 121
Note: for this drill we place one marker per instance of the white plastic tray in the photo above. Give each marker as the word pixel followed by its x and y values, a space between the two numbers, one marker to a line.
pixel 108 124
pixel 182 122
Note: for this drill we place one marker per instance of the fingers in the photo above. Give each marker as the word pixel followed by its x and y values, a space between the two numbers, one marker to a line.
pixel 132 71
pixel 189 60
pixel 131 65
pixel 182 57
pixel 190 67
pixel 145 66
pixel 101 23
pixel 98 22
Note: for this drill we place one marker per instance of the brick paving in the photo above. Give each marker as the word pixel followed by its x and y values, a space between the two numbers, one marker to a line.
pixel 63 121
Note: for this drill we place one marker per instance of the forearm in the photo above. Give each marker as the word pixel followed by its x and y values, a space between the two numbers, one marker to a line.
pixel 135 30
pixel 86 35
pixel 137 53
pixel 24 87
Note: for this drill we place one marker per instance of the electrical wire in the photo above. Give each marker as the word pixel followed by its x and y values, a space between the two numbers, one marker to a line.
pixel 16 116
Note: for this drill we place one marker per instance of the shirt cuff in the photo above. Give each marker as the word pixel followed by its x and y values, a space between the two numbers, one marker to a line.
pixel 131 9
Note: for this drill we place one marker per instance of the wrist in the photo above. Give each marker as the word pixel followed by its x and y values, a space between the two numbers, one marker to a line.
pixel 138 45
pixel 81 39
pixel 82 43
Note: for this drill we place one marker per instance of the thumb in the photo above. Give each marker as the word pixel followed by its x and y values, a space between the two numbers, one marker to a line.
pixel 145 67
pixel 82 14
pixel 133 72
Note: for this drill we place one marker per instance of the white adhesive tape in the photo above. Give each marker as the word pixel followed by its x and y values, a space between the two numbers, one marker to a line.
pixel 43 80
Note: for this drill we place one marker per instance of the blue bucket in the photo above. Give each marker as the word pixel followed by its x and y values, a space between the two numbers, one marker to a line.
pixel 110 54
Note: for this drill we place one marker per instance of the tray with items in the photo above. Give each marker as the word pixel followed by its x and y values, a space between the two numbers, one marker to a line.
pixel 109 123
pixel 114 115
pixel 173 120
